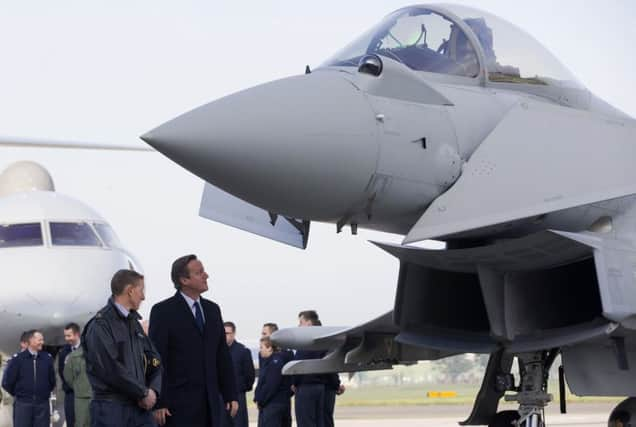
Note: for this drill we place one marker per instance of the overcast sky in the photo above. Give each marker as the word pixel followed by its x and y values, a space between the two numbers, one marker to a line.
pixel 108 71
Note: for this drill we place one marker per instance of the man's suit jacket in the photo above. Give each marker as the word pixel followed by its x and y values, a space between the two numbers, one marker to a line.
pixel 197 367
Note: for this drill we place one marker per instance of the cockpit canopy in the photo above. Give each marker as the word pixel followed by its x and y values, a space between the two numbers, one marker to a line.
pixel 418 37
pixel 458 41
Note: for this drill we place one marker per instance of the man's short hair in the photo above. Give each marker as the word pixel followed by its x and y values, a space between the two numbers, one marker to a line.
pixel 25 336
pixel 272 326
pixel 310 315
pixel 230 325
pixel 180 269
pixel 123 278
pixel 316 322
pixel 31 333
pixel 73 327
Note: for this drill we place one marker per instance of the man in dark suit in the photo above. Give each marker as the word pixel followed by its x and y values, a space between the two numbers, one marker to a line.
pixel 197 368
pixel 243 373
pixel 72 338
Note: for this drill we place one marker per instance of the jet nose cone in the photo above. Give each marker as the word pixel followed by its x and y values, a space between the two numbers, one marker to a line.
pixel 281 145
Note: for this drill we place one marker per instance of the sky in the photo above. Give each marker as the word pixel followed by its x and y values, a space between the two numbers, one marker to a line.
pixel 108 71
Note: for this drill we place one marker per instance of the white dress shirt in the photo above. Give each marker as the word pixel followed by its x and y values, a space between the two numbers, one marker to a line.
pixel 191 302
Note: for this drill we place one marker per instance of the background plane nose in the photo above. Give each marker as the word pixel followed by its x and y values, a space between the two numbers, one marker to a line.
pixel 282 145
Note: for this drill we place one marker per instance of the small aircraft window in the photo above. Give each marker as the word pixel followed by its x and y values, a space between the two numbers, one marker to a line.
pixel 73 234
pixel 16 235
pixel 420 39
pixel 108 235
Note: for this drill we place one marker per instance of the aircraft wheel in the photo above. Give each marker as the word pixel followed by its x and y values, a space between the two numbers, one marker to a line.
pixel 624 414
pixel 504 419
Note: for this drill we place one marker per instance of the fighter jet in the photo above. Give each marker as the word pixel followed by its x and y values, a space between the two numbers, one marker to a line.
pixel 447 123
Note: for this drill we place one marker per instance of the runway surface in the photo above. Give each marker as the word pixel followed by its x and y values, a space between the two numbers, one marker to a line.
pixel 579 415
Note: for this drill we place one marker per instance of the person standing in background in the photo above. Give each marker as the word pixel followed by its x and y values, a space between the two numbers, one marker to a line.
pixel 333 388
pixel 273 389
pixel 72 338
pixel 30 379
pixel 75 376
pixel 267 330
pixel 243 373
pixel 310 388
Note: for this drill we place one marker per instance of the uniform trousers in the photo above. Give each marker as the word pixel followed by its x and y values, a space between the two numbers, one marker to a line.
pixel 108 413
pixel 330 405
pixel 310 402
pixel 82 412
pixel 272 415
pixel 27 413
pixel 69 409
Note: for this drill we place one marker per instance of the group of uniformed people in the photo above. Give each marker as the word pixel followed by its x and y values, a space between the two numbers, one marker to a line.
pixel 314 395
pixel 186 370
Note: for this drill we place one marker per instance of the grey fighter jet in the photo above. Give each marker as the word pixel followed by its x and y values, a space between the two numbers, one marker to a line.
pixel 447 123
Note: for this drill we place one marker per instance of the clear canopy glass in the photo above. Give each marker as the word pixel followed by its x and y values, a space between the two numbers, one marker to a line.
pixel 512 55
pixel 73 234
pixel 418 37
pixel 432 40
pixel 16 235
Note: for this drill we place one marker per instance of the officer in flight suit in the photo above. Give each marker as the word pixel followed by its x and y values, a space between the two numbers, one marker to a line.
pixel 122 364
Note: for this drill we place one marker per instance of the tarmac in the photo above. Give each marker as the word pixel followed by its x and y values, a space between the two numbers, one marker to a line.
pixel 579 415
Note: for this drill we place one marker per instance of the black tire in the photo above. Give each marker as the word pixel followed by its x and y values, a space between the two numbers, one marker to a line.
pixel 504 419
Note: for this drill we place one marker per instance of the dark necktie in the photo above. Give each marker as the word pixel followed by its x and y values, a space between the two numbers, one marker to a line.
pixel 198 315
pixel 35 370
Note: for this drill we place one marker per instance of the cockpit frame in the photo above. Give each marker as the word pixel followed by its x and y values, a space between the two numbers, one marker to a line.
pixel 482 76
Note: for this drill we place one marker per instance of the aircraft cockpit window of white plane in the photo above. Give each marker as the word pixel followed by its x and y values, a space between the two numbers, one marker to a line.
pixel 73 234
pixel 511 54
pixel 20 235
pixel 418 37
pixel 107 235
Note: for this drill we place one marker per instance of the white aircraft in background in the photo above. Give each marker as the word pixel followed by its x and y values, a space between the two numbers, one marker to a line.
pixel 57 256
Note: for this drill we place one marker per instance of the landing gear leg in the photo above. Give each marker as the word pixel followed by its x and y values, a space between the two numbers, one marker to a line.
pixel 497 380
pixel 532 394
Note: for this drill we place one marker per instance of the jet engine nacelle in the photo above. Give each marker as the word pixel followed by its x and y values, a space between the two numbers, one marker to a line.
pixel 546 290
